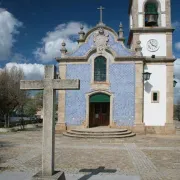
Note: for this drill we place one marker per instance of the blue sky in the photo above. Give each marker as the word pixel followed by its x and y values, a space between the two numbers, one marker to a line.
pixel 40 17
pixel 32 30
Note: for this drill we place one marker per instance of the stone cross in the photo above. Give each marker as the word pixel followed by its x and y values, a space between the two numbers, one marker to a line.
pixel 49 85
pixel 101 11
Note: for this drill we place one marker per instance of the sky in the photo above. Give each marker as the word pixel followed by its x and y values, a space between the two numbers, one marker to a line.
pixel 31 31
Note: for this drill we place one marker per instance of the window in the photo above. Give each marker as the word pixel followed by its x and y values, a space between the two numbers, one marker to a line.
pixel 100 69
pixel 151 13
pixel 155 97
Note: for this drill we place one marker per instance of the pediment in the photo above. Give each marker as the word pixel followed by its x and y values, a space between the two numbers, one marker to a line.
pixel 101 39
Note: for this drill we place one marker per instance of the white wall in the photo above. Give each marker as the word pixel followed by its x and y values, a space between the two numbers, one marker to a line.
pixel 141 20
pixel 163 20
pixel 155 113
pixel 131 21
pixel 161 38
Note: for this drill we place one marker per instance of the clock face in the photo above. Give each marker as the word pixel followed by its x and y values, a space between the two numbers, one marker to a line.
pixel 152 45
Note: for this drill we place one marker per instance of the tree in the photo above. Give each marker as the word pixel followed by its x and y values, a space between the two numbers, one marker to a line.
pixel 33 104
pixel 38 98
pixel 11 97
pixel 30 108
pixel 177 110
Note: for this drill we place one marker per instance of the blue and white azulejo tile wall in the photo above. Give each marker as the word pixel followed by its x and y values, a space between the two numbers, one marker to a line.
pixel 122 79
pixel 75 112
pixel 122 85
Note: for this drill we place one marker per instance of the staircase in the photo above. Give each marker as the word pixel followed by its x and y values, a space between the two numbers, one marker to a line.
pixel 99 133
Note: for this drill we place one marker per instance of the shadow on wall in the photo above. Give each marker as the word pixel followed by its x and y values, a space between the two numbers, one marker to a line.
pixel 147 87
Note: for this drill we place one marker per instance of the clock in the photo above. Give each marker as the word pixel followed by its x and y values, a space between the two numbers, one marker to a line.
pixel 152 45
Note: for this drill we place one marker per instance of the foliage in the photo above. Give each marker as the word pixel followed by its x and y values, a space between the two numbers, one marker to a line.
pixel 14 100
pixel 33 104
pixel 11 97
pixel 177 111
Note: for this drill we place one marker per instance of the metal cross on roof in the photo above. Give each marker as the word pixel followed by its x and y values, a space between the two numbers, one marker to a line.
pixel 101 11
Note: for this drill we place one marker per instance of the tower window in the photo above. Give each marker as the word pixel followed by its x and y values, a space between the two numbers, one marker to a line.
pixel 151 13
pixel 100 69
pixel 155 97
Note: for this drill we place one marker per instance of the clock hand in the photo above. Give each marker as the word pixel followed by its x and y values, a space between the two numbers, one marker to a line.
pixel 153 44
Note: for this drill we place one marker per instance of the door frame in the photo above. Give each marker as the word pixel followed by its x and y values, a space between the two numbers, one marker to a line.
pixel 88 103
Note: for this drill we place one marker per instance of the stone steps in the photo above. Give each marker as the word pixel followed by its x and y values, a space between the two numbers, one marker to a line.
pixel 99 133
pixel 177 130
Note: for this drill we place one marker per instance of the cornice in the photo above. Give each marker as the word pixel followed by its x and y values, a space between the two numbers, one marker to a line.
pixel 132 58
pixel 152 29
pixel 149 30
pixel 85 59
pixel 159 60
pixel 120 59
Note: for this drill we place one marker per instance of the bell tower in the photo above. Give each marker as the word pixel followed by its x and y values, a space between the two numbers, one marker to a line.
pixel 150 22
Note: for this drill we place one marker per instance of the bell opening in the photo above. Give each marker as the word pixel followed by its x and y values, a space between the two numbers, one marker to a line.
pixel 151 14
pixel 151 20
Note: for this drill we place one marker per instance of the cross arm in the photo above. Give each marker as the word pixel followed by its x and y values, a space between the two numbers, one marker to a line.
pixel 31 85
pixel 65 84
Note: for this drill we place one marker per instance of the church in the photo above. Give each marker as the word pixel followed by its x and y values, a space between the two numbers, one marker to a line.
pixel 122 85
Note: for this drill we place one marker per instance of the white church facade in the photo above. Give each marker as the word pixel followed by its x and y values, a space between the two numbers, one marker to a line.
pixel 122 87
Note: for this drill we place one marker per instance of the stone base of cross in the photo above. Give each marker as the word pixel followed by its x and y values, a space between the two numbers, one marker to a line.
pixel 49 85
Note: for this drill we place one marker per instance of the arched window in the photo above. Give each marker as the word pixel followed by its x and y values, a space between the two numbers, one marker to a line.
pixel 100 69
pixel 151 13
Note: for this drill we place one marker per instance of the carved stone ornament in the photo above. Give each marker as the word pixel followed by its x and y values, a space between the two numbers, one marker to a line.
pixel 101 38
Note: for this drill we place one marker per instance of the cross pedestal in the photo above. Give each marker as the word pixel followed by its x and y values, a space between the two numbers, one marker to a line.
pixel 49 85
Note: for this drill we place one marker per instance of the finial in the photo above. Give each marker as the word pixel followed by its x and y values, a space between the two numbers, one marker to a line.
pixel 121 33
pixel 81 27
pixel 81 33
pixel 138 49
pixel 120 25
pixel 63 49
pixel 101 16
pixel 63 43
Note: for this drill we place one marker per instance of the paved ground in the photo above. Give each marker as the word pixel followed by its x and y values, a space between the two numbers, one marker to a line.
pixel 142 157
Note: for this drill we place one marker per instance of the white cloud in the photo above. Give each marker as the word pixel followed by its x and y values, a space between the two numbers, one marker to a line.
pixel 31 71
pixel 8 28
pixel 177 68
pixel 51 43
pixel 177 45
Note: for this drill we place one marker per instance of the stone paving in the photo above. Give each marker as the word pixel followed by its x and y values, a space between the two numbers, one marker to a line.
pixel 149 157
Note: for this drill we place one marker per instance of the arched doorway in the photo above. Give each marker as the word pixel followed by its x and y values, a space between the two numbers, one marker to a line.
pixel 99 110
